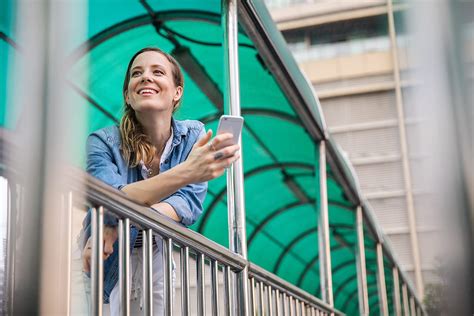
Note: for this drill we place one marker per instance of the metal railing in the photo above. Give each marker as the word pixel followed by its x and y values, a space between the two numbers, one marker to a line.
pixel 203 250
pixel 267 293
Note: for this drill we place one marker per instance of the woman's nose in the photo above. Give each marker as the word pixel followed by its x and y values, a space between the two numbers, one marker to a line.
pixel 146 77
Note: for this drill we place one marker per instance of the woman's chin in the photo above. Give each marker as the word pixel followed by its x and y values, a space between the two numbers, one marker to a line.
pixel 152 107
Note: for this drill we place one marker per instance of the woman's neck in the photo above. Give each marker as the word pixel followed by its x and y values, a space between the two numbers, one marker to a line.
pixel 158 129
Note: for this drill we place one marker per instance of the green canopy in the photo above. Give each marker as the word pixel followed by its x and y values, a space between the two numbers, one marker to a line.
pixel 283 124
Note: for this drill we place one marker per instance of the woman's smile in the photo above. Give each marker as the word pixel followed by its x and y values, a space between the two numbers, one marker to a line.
pixel 147 91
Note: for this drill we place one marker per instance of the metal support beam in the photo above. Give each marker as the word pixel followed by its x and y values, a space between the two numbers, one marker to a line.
pixel 404 151
pixel 235 179
pixel 382 290
pixel 396 292
pixel 323 230
pixel 361 267
pixel 406 309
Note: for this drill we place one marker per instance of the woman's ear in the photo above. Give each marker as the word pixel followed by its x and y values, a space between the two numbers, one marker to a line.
pixel 178 94
pixel 125 95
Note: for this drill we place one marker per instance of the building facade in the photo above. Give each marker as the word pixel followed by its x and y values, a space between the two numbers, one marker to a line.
pixel 356 54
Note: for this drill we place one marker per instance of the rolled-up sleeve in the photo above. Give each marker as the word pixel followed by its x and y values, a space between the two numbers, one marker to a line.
pixel 188 202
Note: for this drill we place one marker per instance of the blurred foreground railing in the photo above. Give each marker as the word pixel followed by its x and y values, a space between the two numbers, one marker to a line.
pixel 207 275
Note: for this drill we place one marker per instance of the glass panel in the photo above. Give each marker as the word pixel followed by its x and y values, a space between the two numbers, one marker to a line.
pixel 340 39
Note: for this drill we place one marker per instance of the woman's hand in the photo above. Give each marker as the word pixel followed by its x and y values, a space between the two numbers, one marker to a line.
pixel 209 159
pixel 110 236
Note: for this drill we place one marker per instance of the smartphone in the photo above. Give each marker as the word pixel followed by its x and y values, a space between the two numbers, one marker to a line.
pixel 231 124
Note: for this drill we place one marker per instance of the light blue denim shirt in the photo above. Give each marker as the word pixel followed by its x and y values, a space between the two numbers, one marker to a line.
pixel 105 162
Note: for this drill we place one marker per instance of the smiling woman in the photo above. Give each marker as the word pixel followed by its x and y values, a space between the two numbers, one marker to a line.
pixel 154 159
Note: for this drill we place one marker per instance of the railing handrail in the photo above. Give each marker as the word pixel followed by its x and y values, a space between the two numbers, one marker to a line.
pixel 98 193
pixel 276 282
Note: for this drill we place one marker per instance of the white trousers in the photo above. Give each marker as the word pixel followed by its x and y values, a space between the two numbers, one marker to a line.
pixel 80 294
pixel 136 276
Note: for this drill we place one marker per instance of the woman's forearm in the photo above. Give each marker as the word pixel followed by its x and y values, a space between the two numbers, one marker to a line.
pixel 155 189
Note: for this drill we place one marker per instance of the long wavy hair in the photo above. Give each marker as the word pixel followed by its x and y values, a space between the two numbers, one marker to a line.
pixel 136 145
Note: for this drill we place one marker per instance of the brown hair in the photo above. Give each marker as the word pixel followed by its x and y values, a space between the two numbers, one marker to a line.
pixel 136 145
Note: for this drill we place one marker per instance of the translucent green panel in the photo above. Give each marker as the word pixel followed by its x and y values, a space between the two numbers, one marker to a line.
pixel 7 17
pixel 292 267
pixel 335 193
pixel 105 13
pixel 216 227
pixel 8 115
pixel 289 142
pixel 4 50
pixel 259 88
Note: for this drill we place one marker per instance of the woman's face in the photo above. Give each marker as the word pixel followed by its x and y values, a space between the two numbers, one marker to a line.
pixel 151 86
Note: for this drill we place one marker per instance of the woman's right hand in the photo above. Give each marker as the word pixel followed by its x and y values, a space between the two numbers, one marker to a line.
pixel 209 158
pixel 110 236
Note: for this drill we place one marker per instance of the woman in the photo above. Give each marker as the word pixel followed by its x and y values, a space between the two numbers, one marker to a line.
pixel 154 159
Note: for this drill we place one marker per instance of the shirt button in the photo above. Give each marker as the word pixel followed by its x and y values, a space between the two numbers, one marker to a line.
pixel 109 139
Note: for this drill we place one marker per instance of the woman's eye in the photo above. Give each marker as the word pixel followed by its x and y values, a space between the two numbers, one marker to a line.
pixel 159 72
pixel 136 73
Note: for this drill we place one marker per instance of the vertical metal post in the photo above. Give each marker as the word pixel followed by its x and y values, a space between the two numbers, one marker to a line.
pixel 297 307
pixel 418 310
pixel 146 269
pixel 228 297
pixel 200 284
pixel 124 266
pixel 214 289
pixel 97 267
pixel 404 151
pixel 290 305
pixel 12 212
pixel 412 306
pixel 396 292
pixel 252 297
pixel 43 131
pixel 323 231
pixel 406 309
pixel 270 300
pixel 285 304
pixel 361 267
pixel 277 300
pixel 262 303
pixel 149 270
pixel 185 281
pixel 235 179
pixel 169 276
pixel 381 281
pixel 69 250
